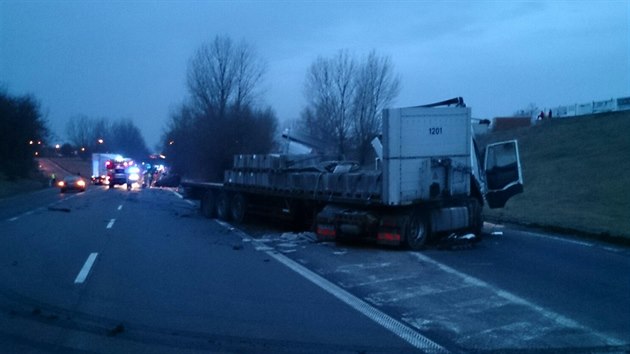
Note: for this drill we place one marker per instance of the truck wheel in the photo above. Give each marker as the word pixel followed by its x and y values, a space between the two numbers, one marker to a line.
pixel 238 208
pixel 417 233
pixel 208 205
pixel 111 185
pixel 223 206
pixel 128 186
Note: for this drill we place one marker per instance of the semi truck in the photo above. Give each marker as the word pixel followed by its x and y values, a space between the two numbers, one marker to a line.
pixel 430 180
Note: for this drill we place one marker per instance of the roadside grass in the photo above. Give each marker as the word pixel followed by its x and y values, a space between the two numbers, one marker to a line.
pixel 38 181
pixel 576 174
pixel 10 188
pixel 74 165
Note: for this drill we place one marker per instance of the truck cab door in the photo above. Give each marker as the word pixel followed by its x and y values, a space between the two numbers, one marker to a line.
pixel 504 178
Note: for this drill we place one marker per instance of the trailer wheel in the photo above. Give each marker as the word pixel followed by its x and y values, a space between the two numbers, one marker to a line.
pixel 417 233
pixel 208 205
pixel 238 208
pixel 223 206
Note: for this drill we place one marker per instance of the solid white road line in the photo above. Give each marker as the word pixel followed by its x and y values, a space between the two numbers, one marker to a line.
pixel 120 207
pixel 111 223
pixel 396 327
pixel 182 197
pixel 14 218
pixel 556 317
pixel 391 324
pixel 86 268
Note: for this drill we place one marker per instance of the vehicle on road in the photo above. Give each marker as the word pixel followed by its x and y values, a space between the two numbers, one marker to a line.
pixel 122 171
pixel 72 183
pixel 99 167
pixel 430 181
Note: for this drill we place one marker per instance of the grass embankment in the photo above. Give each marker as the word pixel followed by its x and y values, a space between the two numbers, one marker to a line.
pixel 576 175
pixel 39 179
pixel 74 165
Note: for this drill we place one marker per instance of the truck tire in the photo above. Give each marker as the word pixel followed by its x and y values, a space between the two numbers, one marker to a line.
pixel 223 206
pixel 208 205
pixel 238 208
pixel 417 232
pixel 128 186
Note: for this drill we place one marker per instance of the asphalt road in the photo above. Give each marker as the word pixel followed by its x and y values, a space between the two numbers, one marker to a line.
pixel 115 271
pixel 139 272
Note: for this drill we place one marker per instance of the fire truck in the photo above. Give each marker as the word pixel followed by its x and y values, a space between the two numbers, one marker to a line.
pixel 122 171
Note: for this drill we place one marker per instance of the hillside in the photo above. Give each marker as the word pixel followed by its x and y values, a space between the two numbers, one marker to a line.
pixel 576 174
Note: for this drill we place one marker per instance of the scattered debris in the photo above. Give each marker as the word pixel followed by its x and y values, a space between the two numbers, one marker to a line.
pixel 238 247
pixel 287 245
pixel 53 208
pixel 457 242
pixel 36 312
pixel 116 330
pixel 264 248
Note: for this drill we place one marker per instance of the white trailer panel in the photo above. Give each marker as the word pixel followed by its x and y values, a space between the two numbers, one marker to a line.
pixel 425 150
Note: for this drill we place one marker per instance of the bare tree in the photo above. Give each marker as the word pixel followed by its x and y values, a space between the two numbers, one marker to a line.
pixel 330 88
pixel 79 130
pixel 221 118
pixel 222 74
pixel 530 111
pixel 345 98
pixel 376 87
pixel 100 135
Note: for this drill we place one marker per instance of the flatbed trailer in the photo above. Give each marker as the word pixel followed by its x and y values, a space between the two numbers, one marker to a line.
pixel 431 180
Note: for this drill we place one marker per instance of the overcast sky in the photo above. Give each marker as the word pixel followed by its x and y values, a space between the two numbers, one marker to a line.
pixel 128 59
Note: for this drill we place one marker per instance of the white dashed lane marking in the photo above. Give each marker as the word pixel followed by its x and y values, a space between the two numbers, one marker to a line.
pixel 86 268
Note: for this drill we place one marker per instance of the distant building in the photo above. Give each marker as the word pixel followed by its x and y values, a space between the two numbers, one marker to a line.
pixel 508 123
pixel 593 107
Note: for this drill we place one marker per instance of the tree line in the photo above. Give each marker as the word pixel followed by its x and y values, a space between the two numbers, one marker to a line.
pixel 222 115
pixel 92 135
pixel 23 132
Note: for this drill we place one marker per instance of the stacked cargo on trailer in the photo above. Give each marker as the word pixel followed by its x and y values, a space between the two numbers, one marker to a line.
pixel 430 181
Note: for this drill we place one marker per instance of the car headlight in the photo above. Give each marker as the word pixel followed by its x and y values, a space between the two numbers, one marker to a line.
pixel 81 183
pixel 61 183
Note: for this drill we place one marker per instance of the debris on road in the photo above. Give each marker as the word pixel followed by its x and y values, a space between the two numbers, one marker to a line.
pixel 116 330
pixel 66 210
pixel 457 242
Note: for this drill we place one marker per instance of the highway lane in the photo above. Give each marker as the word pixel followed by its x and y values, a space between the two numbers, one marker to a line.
pixel 165 279
pixel 587 281
pixel 16 206
pixel 516 291
pixel 117 271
